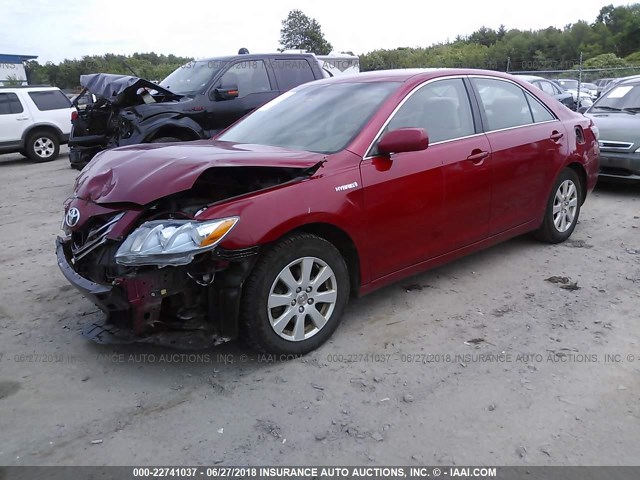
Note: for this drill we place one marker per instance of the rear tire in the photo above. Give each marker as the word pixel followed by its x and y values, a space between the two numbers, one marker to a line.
pixel 295 297
pixel 563 208
pixel 42 146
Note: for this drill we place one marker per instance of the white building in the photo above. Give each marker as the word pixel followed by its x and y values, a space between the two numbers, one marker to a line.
pixel 12 68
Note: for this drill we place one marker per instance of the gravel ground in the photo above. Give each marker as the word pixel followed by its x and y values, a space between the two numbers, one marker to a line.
pixel 478 362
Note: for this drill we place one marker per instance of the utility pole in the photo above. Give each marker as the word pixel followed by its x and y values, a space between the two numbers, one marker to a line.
pixel 579 80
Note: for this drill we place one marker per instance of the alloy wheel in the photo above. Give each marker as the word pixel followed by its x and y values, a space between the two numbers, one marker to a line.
pixel 44 147
pixel 565 205
pixel 302 299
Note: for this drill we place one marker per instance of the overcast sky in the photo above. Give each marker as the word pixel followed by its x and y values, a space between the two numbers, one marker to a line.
pixel 55 30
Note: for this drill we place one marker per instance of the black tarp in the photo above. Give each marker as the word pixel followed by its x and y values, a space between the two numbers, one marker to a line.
pixel 117 88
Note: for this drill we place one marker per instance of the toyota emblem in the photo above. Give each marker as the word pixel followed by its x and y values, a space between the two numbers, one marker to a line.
pixel 72 217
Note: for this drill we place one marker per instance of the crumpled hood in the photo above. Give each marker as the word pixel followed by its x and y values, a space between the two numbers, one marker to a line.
pixel 116 88
pixel 143 173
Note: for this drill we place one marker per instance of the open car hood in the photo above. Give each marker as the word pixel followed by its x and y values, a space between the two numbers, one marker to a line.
pixel 143 173
pixel 118 88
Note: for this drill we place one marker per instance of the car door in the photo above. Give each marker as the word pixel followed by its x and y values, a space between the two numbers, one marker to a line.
pixel 527 140
pixel 14 118
pixel 429 202
pixel 254 90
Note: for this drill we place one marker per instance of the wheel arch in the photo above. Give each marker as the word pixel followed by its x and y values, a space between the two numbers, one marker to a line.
pixel 178 131
pixel 582 175
pixel 167 125
pixel 343 242
pixel 38 127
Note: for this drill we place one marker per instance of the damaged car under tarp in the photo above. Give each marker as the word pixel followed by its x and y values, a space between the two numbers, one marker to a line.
pixel 195 102
pixel 103 123
pixel 123 89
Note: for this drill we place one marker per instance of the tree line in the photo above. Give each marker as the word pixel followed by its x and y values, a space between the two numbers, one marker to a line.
pixel 66 74
pixel 611 41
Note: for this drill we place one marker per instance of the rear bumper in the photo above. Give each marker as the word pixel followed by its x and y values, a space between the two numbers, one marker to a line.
pixel 618 165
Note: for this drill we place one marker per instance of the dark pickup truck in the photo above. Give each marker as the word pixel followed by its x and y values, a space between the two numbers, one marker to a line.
pixel 194 102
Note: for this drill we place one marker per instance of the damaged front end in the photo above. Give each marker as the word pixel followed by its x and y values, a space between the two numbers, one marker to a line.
pixel 158 271
pixel 111 119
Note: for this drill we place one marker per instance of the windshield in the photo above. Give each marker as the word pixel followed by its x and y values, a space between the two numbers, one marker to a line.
pixel 321 118
pixel 620 97
pixel 568 84
pixel 192 77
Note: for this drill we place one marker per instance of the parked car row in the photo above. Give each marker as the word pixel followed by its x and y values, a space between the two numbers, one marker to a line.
pixel 331 190
pixel 617 115
pixel 564 91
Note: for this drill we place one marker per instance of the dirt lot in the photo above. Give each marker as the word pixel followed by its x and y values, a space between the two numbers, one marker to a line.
pixel 478 362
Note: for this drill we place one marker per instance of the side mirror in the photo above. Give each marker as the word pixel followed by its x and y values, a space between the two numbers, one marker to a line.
pixel 583 109
pixel 226 92
pixel 403 140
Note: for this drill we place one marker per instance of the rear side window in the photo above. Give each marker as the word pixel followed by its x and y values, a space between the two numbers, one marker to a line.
pixel 538 110
pixel 50 100
pixel 10 103
pixel 291 73
pixel 504 103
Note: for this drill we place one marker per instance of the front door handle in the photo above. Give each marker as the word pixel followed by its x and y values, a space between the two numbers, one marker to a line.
pixel 477 156
pixel 555 136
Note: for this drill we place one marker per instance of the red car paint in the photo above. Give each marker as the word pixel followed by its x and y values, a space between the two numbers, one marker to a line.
pixel 404 213
pixel 142 173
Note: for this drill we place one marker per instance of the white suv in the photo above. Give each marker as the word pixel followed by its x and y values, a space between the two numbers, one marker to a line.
pixel 34 121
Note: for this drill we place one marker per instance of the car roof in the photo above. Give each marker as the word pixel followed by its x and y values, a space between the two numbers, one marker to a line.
pixel 30 88
pixel 412 74
pixel 529 77
pixel 254 56
pixel 629 81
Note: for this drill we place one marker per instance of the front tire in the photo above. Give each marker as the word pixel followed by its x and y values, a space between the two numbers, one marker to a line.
pixel 563 208
pixel 42 146
pixel 295 297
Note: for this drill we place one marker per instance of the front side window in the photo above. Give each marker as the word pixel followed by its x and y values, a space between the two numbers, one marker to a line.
pixel 192 77
pixel 441 108
pixel 50 100
pixel 504 104
pixel 249 76
pixel 10 104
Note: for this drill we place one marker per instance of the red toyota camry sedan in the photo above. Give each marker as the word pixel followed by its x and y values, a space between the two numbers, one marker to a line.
pixel 333 189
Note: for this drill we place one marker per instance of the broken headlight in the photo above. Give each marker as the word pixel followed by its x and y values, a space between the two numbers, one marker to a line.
pixel 172 242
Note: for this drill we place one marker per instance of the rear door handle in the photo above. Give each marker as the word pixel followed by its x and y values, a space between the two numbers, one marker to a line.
pixel 555 136
pixel 22 118
pixel 478 156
